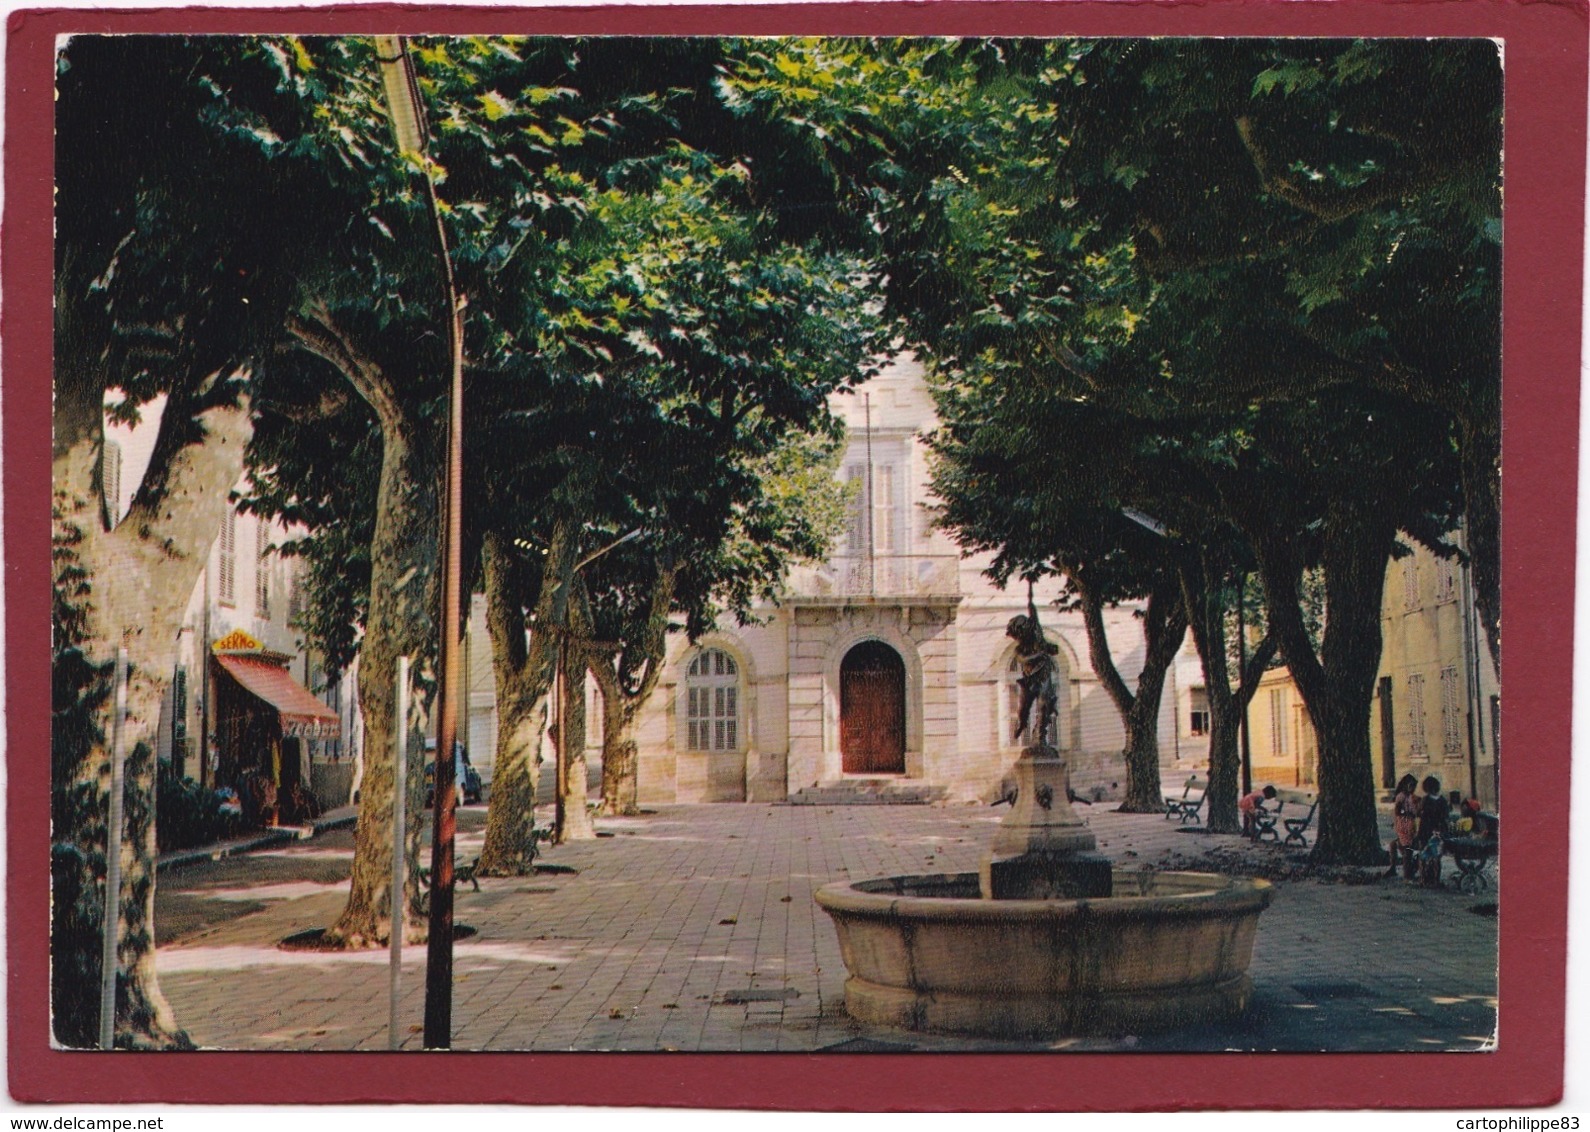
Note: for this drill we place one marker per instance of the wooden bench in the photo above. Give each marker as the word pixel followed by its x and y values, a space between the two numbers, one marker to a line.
pixel 1189 806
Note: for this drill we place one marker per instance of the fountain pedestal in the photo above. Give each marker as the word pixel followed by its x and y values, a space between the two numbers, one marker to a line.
pixel 1042 850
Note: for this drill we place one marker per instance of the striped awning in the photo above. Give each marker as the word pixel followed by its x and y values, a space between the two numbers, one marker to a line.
pixel 302 715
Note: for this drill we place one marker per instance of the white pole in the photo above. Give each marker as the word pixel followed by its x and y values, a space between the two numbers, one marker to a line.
pixel 109 961
pixel 399 857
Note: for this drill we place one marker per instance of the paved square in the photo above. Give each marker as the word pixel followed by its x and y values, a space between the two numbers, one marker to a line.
pixel 695 928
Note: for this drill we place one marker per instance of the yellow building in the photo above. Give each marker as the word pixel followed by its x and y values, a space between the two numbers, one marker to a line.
pixel 1437 699
pixel 1281 735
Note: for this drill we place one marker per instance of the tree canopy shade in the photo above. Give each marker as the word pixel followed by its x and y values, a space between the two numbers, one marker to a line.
pixel 143 308
pixel 1275 261
pixel 642 334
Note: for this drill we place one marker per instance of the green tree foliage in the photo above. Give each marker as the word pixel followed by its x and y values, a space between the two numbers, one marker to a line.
pixel 642 330
pixel 1280 258
pixel 144 311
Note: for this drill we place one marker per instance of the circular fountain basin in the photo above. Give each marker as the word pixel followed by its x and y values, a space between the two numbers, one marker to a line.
pixel 928 953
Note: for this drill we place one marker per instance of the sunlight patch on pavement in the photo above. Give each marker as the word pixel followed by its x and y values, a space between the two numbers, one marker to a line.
pixel 183 960
pixel 306 854
pixel 290 890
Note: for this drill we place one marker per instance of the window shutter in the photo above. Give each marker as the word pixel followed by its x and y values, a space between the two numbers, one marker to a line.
pixel 226 583
pixel 855 527
pixel 1418 747
pixel 1451 714
pixel 262 582
pixel 883 509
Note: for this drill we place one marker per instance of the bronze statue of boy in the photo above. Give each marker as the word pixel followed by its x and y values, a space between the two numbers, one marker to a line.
pixel 1038 680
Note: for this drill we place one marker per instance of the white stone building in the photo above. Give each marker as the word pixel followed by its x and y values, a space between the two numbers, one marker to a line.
pixel 885 667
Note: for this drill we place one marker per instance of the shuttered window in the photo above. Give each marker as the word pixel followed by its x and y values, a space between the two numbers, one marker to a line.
pixel 262 577
pixel 226 582
pixel 1418 744
pixel 1445 579
pixel 1451 714
pixel 856 512
pixel 179 711
pixel 883 509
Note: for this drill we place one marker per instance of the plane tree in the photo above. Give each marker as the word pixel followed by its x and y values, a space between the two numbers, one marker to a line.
pixel 1290 247
pixel 788 509
pixel 742 336
pixel 172 329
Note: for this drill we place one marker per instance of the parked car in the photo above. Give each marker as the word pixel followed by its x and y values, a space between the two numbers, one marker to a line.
pixel 470 790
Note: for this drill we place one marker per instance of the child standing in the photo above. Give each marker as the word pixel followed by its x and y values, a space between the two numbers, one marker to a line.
pixel 1404 820
pixel 1432 828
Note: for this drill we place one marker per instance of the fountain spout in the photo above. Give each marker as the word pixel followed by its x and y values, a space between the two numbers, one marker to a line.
pixel 1042 850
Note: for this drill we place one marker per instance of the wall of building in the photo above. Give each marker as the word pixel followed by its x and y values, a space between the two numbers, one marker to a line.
pixel 893 578
pixel 1437 695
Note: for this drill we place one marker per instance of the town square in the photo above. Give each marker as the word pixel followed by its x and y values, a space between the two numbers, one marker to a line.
pixel 818 545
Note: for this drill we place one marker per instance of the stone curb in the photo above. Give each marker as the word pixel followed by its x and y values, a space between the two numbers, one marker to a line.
pixel 282 835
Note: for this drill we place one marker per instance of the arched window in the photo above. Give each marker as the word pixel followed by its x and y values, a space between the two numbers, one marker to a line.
pixel 712 686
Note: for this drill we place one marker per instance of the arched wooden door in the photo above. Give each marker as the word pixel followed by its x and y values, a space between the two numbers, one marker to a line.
pixel 872 710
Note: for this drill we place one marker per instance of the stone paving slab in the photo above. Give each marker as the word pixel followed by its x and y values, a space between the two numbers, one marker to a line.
pixel 695 928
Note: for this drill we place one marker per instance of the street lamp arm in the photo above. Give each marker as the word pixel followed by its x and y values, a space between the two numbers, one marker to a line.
pixel 595 554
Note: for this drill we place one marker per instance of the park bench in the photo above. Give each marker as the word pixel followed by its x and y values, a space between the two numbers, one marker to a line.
pixel 1188 806
pixel 1302 802
pixel 463 873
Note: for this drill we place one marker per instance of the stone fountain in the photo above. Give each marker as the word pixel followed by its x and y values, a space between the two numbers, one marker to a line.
pixel 1046 939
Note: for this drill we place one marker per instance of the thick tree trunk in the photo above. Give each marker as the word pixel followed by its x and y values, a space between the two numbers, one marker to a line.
pixel 523 671
pixel 1164 625
pixel 123 588
pixel 620 760
pixel 623 698
pixel 572 792
pixel 1337 685
pixel 1206 616
pixel 400 622
pixel 1144 794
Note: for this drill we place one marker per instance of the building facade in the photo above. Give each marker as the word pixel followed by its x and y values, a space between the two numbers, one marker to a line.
pixel 247 698
pixel 886 663
pixel 1437 694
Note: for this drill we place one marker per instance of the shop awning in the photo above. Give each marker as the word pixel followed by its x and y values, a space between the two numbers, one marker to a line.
pixel 302 715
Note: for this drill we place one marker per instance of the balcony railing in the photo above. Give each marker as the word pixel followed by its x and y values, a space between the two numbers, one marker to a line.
pixel 881 575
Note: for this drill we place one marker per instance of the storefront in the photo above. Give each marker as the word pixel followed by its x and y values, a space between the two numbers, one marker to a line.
pixel 264 720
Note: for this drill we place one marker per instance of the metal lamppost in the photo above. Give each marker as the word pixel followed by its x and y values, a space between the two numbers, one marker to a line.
pixel 408 124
